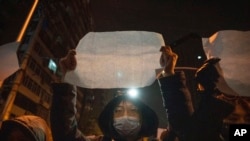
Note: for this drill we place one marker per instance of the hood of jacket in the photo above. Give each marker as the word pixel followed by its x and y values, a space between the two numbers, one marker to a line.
pixel 149 118
pixel 32 125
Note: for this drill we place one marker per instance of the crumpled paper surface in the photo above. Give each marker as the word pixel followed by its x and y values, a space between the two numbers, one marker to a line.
pixel 233 47
pixel 119 59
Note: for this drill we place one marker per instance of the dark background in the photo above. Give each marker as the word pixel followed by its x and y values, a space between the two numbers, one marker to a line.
pixel 181 22
pixel 172 18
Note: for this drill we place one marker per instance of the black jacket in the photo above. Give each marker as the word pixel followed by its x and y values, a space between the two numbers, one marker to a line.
pixel 203 124
pixel 63 111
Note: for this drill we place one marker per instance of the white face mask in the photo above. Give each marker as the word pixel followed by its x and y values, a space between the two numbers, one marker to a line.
pixel 127 126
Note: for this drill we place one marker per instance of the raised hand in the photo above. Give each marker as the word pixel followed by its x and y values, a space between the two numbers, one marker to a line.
pixel 168 60
pixel 68 63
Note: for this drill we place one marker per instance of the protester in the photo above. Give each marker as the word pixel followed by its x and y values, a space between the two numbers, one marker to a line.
pixel 240 115
pixel 205 123
pixel 25 128
pixel 122 119
pixel 128 119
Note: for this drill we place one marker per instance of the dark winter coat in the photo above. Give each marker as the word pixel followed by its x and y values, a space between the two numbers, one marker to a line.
pixel 64 124
pixel 203 124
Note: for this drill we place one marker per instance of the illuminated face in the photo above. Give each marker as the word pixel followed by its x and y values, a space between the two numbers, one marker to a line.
pixel 239 116
pixel 126 108
pixel 18 135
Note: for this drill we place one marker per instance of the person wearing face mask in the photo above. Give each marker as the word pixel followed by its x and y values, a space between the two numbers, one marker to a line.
pixel 187 124
pixel 123 118
pixel 128 119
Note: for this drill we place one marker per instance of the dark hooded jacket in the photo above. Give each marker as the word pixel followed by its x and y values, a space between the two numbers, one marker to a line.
pixel 149 119
pixel 63 111
pixel 33 126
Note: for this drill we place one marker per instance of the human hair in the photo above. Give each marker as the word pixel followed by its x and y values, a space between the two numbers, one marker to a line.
pixel 149 120
pixel 241 112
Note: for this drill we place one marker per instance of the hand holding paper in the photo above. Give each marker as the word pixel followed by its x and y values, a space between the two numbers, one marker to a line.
pixel 232 47
pixel 68 63
pixel 168 60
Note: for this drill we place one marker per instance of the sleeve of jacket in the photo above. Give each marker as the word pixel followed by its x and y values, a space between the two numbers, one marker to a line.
pixel 176 97
pixel 63 111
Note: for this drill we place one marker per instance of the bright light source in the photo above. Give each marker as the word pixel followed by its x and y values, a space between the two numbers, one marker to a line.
pixel 133 93
pixel 199 57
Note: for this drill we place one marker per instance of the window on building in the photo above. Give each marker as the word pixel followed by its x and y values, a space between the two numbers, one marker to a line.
pixel 25 103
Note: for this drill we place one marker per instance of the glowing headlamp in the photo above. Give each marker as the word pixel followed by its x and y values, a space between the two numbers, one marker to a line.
pixel 132 93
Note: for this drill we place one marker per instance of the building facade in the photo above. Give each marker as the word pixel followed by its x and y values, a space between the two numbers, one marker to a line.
pixel 54 27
